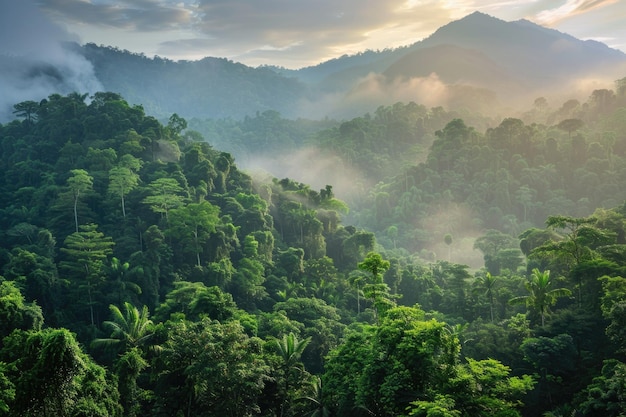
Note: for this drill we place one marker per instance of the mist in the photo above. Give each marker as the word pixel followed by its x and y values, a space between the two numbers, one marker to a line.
pixel 313 167
pixel 36 59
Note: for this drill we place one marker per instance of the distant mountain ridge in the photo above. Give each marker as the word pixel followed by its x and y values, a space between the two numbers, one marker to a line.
pixel 527 50
pixel 479 52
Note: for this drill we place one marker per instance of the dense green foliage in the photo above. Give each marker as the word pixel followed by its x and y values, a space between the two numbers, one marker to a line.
pixel 143 273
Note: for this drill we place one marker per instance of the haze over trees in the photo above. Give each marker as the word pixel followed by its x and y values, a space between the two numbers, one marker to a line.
pixel 455 263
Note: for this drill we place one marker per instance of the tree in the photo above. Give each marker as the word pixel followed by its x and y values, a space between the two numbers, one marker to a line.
pixel 15 313
pixel 27 110
pixel 453 278
pixel 121 181
pixel 193 224
pixel 376 290
pixel 131 332
pixel 578 245
pixel 119 287
pixel 52 376
pixel 382 369
pixel 491 244
pixel 614 309
pixel 80 182
pixel 290 350
pixel 247 283
pixel 553 359
pixel 85 253
pixel 484 388
pixel 128 368
pixel 440 406
pixel 194 300
pixel 318 320
pixel 542 294
pixel 314 398
pixel 344 367
pixel 356 280
pixel 36 275
pixel 130 329
pixel 176 124
pixel 165 194
pixel 606 395
pixel 7 390
pixel 211 369
pixel 487 284
pixel 581 235
pixel 570 125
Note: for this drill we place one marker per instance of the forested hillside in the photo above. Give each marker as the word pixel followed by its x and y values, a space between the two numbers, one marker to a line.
pixel 143 273
pixel 413 174
pixel 214 87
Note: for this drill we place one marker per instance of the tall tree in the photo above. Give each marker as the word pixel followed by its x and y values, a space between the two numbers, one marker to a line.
pixel 487 284
pixel 193 224
pixel 376 290
pixel 121 181
pixel 165 194
pixel 79 183
pixel 27 110
pixel 570 125
pixel 85 253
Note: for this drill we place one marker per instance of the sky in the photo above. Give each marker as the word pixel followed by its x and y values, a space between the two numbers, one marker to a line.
pixel 288 33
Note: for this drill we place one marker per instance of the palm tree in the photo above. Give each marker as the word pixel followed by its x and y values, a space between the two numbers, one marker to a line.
pixel 316 399
pixel 131 332
pixel 487 284
pixel 541 295
pixel 133 329
pixel 289 350
pixel 121 288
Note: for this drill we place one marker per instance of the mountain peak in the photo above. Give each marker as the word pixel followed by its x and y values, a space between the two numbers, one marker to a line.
pixel 476 25
pixel 479 15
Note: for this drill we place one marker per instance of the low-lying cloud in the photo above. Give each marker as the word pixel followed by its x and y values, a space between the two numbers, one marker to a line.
pixel 377 89
pixel 34 62
pixel 313 167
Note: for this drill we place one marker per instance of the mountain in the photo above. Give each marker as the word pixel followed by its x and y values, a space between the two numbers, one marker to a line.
pixel 505 62
pixel 478 61
pixel 529 52
pixel 211 87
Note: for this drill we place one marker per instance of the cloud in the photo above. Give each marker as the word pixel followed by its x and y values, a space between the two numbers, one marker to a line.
pixel 22 28
pixel 140 15
pixel 33 61
pixel 376 89
pixel 570 9
pixel 328 28
pixel 296 32
pixel 311 166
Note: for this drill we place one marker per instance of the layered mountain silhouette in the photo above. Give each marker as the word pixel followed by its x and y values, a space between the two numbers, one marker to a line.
pixel 528 52
pixel 478 61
